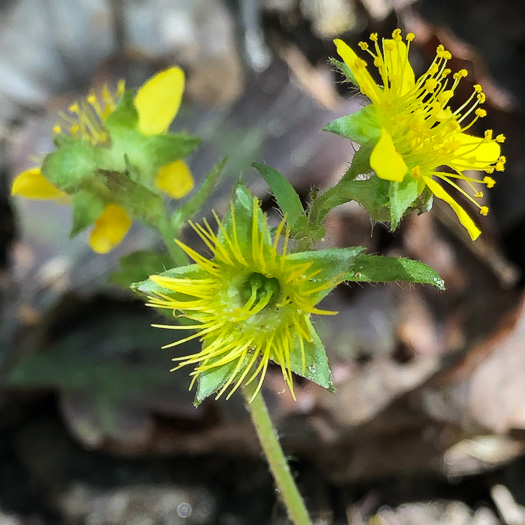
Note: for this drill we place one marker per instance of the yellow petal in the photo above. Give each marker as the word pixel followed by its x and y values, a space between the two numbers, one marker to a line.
pixel 31 184
pixel 158 101
pixel 110 228
pixel 474 153
pixel 400 71
pixel 463 217
pixel 364 79
pixel 175 179
pixel 386 161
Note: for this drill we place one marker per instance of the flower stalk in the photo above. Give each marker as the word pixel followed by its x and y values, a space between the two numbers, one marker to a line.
pixel 288 490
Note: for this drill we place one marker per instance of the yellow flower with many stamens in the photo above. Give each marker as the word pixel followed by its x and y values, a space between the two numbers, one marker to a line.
pixel 250 303
pixel 416 130
pixel 157 103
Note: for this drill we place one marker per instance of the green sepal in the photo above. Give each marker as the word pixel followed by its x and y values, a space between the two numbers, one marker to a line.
pixel 138 266
pixel 196 202
pixel 87 208
pixel 211 381
pixel 148 287
pixel 331 265
pixel 138 200
pixel 242 204
pixel 402 196
pixel 372 194
pixel 375 268
pixel 361 127
pixel 345 71
pixel 285 195
pixel 71 165
pixel 316 367
pixel 125 114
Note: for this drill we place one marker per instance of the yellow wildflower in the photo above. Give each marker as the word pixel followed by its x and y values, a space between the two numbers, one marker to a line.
pixel 417 131
pixel 157 103
pixel 250 303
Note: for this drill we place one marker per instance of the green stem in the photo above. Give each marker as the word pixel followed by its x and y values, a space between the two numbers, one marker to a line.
pixel 179 257
pixel 275 457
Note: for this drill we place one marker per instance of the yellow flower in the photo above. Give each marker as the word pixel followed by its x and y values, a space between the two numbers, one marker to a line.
pixel 417 131
pixel 157 103
pixel 249 304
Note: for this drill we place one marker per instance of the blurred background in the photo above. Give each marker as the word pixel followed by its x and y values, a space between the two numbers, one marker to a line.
pixel 428 422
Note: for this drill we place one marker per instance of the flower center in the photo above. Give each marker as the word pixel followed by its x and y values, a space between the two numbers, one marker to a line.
pixel 258 288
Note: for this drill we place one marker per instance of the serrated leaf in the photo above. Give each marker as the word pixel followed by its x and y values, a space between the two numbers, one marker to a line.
pixel 138 266
pixel 362 126
pixel 285 195
pixel 375 268
pixel 402 196
pixel 87 208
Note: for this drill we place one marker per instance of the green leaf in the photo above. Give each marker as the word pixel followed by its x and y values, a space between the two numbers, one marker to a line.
pixel 402 196
pixel 138 266
pixel 69 166
pixel 285 195
pixel 375 269
pixel 361 126
pixel 87 208
pixel 345 71
pixel 125 114
pixel 316 367
pixel 196 202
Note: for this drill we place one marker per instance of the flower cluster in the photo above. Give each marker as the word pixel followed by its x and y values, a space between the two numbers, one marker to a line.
pixel 156 104
pixel 416 131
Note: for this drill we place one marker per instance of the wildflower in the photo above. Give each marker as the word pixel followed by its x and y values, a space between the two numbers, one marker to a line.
pixel 251 302
pixel 415 130
pixel 156 103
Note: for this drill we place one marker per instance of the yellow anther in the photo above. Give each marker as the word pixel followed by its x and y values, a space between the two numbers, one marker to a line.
pixel 481 98
pixel 415 172
pixel 378 62
pixel 396 35
pixel 446 72
pixel 502 159
pixel 373 37
pixel 484 210
pixel 500 166
pixel 73 108
pixel 489 181
pixel 389 45
pixel 500 138
pixel 481 113
pixel 489 170
pixel 460 74
pixel 410 37
pixel 363 45
pixel 57 129
pixel 359 63
pixel 74 129
pixel 92 99
pixel 478 195
pixel 488 136
pixel 431 84
pixel 478 88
